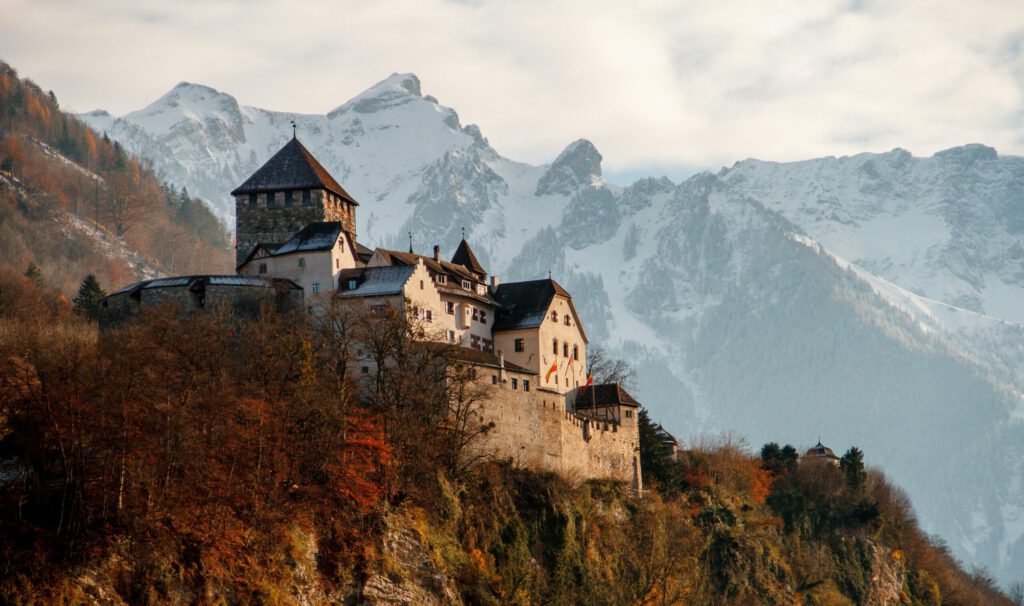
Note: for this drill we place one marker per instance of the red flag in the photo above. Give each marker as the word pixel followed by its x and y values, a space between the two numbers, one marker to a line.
pixel 554 368
pixel 590 381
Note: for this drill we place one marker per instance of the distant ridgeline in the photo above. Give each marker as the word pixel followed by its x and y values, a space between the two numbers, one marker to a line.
pixel 296 232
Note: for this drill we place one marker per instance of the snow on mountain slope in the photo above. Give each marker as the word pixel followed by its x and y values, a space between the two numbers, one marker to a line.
pixel 873 300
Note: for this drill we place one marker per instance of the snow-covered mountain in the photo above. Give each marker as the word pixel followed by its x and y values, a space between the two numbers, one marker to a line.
pixel 875 300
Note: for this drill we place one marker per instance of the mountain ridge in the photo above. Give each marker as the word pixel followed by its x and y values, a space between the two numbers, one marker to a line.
pixel 664 273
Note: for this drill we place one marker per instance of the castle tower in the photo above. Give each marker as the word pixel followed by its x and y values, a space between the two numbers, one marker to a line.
pixel 287 193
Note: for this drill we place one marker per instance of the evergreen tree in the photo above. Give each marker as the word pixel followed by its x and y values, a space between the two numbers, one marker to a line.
pixel 33 273
pixel 87 301
pixel 655 459
pixel 852 465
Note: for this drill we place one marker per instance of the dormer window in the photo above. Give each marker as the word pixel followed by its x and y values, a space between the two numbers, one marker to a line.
pixel 466 285
pixel 352 284
pixel 554 317
pixel 441 279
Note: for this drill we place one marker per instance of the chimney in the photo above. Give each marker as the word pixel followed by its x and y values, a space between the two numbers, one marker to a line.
pixel 495 282
pixel 501 366
pixel 437 253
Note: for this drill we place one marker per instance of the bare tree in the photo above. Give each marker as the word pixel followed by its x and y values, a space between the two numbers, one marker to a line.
pixel 610 370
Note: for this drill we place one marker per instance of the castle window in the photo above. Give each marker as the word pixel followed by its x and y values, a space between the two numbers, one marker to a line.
pixel 428 315
pixel 476 314
pixel 520 345
pixel 565 349
pixel 554 317
pixel 474 341
pixel 515 383
pixel 494 379
pixel 316 287
pixel 337 264
pixel 415 311
pixel 263 268
pixel 488 346
pixel 306 201
pixel 466 284
pixel 449 307
pixel 252 201
pixel 421 284
pixel 629 414
pixel 302 261
pixel 366 370
pixel 451 336
pixel 341 244
pixel 576 352
pixel 554 346
pixel 526 385
pixel 352 284
pixel 288 199
pixel 483 317
pixel 270 199
pixel 567 320
pixel 442 279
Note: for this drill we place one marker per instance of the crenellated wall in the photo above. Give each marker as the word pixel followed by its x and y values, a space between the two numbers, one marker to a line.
pixel 534 430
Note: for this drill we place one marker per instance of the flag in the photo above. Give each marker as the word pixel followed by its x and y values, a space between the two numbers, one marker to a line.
pixel 553 369
pixel 590 381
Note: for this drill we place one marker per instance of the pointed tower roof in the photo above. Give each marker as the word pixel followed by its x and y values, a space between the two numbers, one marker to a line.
pixel 464 256
pixel 292 167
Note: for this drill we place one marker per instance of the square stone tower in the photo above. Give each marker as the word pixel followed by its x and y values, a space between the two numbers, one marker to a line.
pixel 287 193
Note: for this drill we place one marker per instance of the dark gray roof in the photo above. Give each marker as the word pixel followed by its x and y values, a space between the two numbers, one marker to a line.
pixel 464 256
pixel 525 304
pixel 477 357
pixel 199 282
pixel 455 273
pixel 292 167
pixel 605 394
pixel 318 235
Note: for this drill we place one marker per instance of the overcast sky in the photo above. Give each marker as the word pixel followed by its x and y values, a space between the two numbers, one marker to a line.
pixel 657 86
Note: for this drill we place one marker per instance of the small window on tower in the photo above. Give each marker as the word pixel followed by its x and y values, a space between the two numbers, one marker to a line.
pixel 520 345
pixel 302 261
pixel 306 199
pixel 554 317
pixel 252 201
pixel 288 199
pixel 567 320
pixel 270 199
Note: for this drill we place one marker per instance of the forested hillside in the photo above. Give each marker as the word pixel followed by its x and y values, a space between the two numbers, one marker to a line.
pixel 74 203
pixel 203 460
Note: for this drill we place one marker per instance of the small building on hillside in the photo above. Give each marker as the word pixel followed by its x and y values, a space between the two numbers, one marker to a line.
pixel 822 454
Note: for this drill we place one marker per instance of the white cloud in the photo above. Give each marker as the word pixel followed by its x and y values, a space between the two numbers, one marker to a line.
pixel 700 83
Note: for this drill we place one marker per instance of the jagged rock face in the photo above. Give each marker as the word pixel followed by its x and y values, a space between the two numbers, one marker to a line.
pixel 575 167
pixel 872 299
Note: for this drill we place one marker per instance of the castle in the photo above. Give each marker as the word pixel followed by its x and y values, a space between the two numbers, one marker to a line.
pixel 296 245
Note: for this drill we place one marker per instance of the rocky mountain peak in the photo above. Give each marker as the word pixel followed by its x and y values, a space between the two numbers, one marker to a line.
pixel 970 153
pixel 577 165
pixel 396 89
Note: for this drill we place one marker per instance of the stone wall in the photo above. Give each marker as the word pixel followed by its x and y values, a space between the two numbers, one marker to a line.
pixel 534 430
pixel 271 221
pixel 238 300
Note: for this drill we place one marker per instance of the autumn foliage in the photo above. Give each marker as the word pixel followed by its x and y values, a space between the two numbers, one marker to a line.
pixel 64 189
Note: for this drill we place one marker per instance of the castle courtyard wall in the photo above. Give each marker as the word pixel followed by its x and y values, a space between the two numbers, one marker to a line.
pixel 534 430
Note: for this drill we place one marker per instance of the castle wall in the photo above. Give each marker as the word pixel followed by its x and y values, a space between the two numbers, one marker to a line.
pixel 273 222
pixel 534 430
